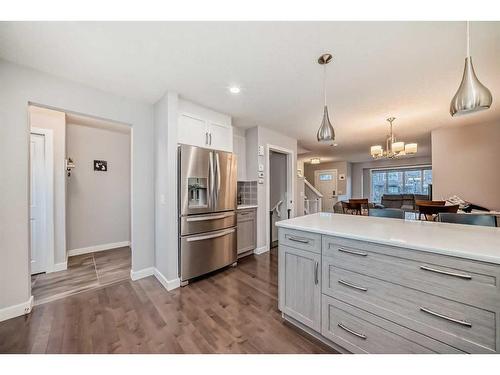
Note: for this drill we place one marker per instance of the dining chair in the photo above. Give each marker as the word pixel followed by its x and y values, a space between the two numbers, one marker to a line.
pixel 394 213
pixel 469 219
pixel 358 205
pixel 425 203
pixel 434 210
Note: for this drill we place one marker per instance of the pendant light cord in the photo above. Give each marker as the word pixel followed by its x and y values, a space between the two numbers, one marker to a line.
pixel 468 39
pixel 324 84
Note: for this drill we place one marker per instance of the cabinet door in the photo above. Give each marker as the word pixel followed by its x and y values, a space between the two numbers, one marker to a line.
pixel 221 137
pixel 300 285
pixel 246 233
pixel 192 130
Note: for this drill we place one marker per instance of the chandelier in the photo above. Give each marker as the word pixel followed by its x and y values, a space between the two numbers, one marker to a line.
pixel 393 149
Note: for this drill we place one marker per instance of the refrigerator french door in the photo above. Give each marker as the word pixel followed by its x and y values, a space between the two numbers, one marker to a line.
pixel 207 210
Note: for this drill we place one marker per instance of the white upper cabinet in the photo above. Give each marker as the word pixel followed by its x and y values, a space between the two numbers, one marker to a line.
pixel 239 148
pixel 202 127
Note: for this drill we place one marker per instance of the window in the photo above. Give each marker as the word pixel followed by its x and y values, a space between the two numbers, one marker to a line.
pixel 325 177
pixel 412 180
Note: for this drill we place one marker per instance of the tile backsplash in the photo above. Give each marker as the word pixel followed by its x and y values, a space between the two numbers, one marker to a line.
pixel 247 192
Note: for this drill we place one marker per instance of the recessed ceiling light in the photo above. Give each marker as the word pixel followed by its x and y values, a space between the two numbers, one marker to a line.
pixel 234 90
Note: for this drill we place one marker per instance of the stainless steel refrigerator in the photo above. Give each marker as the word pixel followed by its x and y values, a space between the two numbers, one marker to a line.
pixel 207 210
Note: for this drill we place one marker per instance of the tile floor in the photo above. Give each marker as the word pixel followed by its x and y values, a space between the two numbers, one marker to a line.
pixel 85 272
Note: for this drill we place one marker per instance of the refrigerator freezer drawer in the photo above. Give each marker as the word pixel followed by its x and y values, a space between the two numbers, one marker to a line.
pixel 207 222
pixel 207 252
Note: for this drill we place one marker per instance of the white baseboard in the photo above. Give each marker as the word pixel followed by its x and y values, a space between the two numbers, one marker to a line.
pixel 145 272
pixel 59 267
pixel 167 284
pixel 261 250
pixel 152 271
pixel 16 310
pixel 93 249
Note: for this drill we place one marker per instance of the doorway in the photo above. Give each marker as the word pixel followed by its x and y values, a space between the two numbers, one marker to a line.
pixel 280 190
pixel 326 182
pixel 83 241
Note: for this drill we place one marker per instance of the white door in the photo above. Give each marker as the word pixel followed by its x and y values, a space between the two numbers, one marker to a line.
pixel 220 137
pixel 192 131
pixel 38 188
pixel 326 182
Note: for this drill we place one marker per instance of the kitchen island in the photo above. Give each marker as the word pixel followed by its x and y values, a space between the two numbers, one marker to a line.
pixel 377 285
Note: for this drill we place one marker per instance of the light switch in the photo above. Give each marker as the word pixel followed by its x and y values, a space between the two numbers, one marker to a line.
pixel 261 151
pixel 261 181
pixel 261 167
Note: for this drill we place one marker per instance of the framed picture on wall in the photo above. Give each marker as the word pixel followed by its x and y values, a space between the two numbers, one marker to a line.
pixel 100 165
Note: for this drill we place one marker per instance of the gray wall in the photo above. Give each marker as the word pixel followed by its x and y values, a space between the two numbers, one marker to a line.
pixel 98 203
pixel 342 167
pixel 23 85
pixel 466 162
pixel 262 136
pixel 56 121
pixel 361 172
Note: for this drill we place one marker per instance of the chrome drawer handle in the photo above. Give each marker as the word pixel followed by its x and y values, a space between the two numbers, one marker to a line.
pixel 458 321
pixel 210 236
pixel 346 283
pixel 360 335
pixel 460 275
pixel 341 249
pixel 316 279
pixel 295 239
pixel 206 218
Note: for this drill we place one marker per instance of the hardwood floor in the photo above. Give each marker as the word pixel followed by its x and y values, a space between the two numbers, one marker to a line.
pixel 85 272
pixel 233 311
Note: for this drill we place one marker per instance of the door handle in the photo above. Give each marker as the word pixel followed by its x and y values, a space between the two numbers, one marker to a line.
pixel 206 138
pixel 217 166
pixel 211 177
pixel 210 137
pixel 210 236
pixel 316 278
pixel 212 217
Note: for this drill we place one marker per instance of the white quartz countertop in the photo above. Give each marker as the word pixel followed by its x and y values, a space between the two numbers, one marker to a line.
pixel 464 241
pixel 246 206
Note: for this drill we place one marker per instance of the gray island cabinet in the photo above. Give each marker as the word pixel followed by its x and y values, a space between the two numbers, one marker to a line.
pixel 378 285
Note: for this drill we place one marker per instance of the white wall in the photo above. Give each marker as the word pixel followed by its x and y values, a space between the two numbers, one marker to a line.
pixel 361 172
pixel 98 203
pixel 166 250
pixel 56 121
pixel 466 162
pixel 19 86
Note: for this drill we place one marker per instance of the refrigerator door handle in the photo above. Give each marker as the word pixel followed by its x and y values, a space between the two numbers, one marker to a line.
pixel 212 217
pixel 217 163
pixel 211 176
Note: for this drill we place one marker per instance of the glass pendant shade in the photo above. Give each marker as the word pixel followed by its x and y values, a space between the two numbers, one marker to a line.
pixel 376 151
pixel 472 95
pixel 398 146
pixel 315 161
pixel 325 131
pixel 411 148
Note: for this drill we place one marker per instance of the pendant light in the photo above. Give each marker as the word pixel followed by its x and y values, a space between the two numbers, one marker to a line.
pixel 472 95
pixel 325 131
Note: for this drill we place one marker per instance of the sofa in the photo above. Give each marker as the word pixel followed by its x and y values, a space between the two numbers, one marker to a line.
pixel 402 201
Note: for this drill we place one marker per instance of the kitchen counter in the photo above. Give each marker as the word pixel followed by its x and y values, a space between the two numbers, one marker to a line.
pixel 464 241
pixel 246 206
pixel 376 285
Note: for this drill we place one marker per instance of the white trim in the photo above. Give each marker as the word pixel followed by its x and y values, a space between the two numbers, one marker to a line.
pixel 93 249
pixel 59 267
pixel 167 284
pixel 261 250
pixel 16 310
pixel 48 230
pixel 290 184
pixel 145 272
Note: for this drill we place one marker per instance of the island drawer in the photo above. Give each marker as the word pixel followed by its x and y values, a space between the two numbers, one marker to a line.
pixel 461 325
pixel 361 332
pixel 458 279
pixel 300 240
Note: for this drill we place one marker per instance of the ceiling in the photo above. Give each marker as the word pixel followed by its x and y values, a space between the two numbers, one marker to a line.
pixel 409 70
